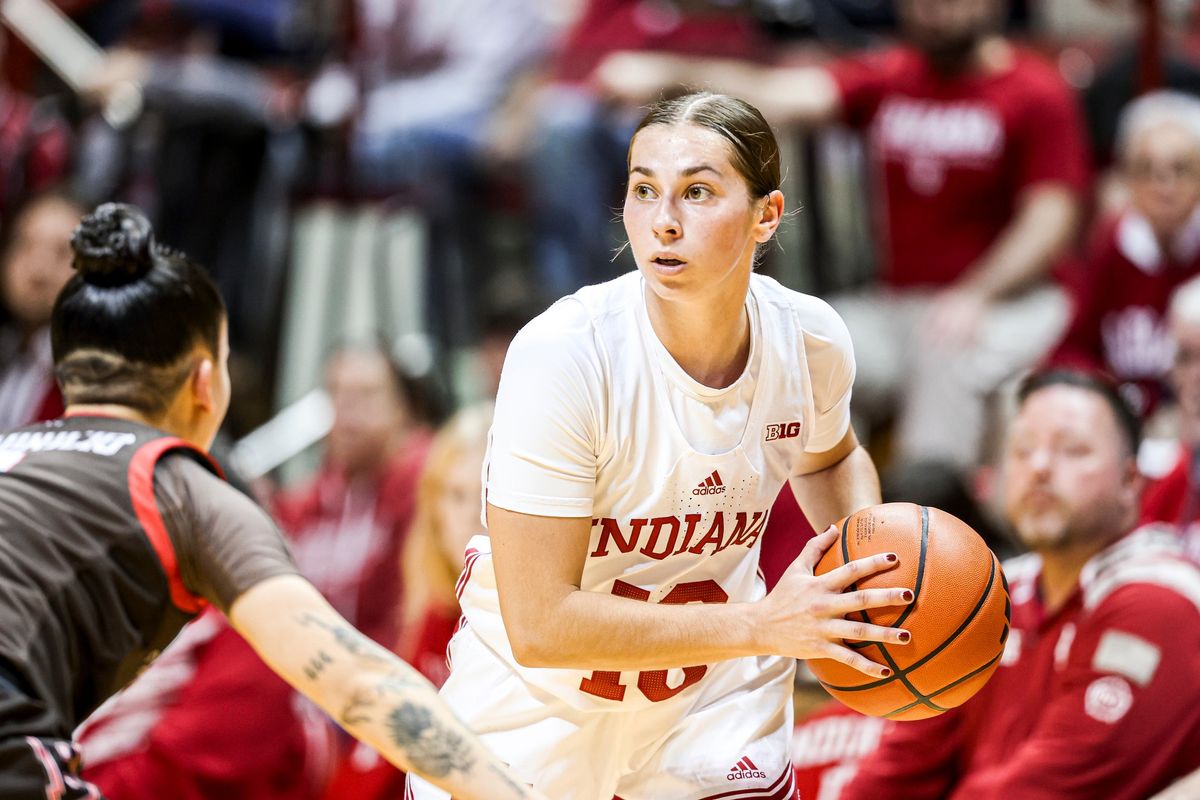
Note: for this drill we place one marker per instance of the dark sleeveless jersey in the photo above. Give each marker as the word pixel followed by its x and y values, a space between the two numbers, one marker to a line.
pixel 91 587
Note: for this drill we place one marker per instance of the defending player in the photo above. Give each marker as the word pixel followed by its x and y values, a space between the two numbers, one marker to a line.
pixel 116 531
pixel 643 429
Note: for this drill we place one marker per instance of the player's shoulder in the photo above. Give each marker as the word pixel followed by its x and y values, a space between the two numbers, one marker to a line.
pixel 815 316
pixel 573 330
pixel 579 314
pixel 1146 571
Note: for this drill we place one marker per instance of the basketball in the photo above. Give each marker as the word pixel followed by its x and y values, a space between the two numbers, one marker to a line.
pixel 958 619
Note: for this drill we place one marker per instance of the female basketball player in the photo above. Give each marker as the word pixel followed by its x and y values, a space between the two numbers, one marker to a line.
pixel 618 640
pixel 116 531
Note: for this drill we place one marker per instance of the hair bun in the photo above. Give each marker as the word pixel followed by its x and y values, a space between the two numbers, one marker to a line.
pixel 114 245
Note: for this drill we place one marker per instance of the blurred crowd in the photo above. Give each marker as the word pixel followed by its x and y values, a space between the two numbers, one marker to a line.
pixel 980 187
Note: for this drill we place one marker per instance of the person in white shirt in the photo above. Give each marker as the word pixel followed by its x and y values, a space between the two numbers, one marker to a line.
pixel 618 639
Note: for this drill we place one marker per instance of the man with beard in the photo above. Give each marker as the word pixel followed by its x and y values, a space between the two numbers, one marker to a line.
pixel 978 154
pixel 1097 695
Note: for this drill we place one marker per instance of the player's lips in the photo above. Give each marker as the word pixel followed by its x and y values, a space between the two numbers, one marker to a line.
pixel 668 263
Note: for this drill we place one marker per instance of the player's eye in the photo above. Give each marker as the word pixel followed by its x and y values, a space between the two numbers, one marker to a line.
pixel 643 192
pixel 697 192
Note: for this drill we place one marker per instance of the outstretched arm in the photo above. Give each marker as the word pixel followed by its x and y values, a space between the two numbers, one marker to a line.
pixel 370 692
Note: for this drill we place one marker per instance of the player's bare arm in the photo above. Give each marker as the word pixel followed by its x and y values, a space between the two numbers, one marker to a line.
pixel 367 690
pixel 836 483
pixel 552 623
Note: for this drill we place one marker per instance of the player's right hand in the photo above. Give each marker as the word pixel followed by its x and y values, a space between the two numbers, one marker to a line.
pixel 804 616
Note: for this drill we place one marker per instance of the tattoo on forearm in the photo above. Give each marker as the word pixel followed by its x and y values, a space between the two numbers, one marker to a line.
pixel 348 639
pixel 433 749
pixel 355 712
pixel 317 664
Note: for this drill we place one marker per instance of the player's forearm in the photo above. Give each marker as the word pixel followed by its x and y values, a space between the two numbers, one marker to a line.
pixel 839 490
pixel 368 690
pixel 591 630
pixel 382 701
pixel 1025 251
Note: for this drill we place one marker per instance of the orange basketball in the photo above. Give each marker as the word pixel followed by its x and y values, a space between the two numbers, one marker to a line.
pixel 958 619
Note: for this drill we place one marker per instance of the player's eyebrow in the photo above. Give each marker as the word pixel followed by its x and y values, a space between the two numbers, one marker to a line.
pixel 687 173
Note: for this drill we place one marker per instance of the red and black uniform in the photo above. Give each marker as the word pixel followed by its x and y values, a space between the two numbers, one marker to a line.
pixel 112 536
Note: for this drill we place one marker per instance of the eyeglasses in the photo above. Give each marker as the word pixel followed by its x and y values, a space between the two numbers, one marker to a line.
pixel 1168 171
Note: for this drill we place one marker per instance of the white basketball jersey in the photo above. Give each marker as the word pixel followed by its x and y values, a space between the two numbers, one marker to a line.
pixel 588 424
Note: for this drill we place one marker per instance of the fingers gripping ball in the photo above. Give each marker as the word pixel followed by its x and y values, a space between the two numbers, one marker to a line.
pixel 958 619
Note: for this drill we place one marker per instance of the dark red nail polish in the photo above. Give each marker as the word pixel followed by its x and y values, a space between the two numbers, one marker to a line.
pixel 905 636
pixel 887 673
pixel 907 596
pixel 891 557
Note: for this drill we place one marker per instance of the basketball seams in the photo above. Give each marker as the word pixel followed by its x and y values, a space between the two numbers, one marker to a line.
pixel 963 643
pixel 900 673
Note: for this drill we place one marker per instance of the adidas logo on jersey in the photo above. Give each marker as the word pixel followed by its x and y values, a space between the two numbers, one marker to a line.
pixel 710 485
pixel 744 769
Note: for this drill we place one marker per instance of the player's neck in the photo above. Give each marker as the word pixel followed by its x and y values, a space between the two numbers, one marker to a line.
pixel 709 340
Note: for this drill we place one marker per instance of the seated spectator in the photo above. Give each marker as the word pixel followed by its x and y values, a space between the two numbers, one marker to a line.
pixel 37 264
pixel 977 147
pixel 207 721
pixel 347 526
pixel 1136 259
pixel 1174 497
pixel 447 516
pixel 1096 693
pixel 434 74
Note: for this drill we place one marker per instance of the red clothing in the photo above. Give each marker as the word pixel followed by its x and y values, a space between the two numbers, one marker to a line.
pixel 787 533
pixel 1099 701
pixel 827 745
pixel 35 148
pixel 1120 294
pixel 427 648
pixel 952 155
pixel 207 721
pixel 1175 499
pixel 607 26
pixel 347 538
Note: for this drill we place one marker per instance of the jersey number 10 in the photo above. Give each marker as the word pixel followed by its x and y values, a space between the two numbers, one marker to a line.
pixel 653 683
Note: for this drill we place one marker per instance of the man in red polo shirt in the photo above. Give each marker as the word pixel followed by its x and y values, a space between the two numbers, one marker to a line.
pixel 979 159
pixel 1096 696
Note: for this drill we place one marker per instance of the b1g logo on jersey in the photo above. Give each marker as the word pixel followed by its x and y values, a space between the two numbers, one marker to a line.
pixel 782 430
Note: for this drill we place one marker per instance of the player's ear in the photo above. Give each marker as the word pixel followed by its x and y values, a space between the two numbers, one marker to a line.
pixel 201 382
pixel 770 214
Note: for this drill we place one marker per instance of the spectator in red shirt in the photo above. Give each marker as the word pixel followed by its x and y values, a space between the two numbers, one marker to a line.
pixel 207 721
pixel 347 526
pixel 978 151
pixel 1096 696
pixel 1137 258
pixel 36 265
pixel 447 516
pixel 1174 496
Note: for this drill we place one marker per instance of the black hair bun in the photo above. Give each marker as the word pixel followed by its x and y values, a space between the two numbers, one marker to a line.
pixel 114 245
